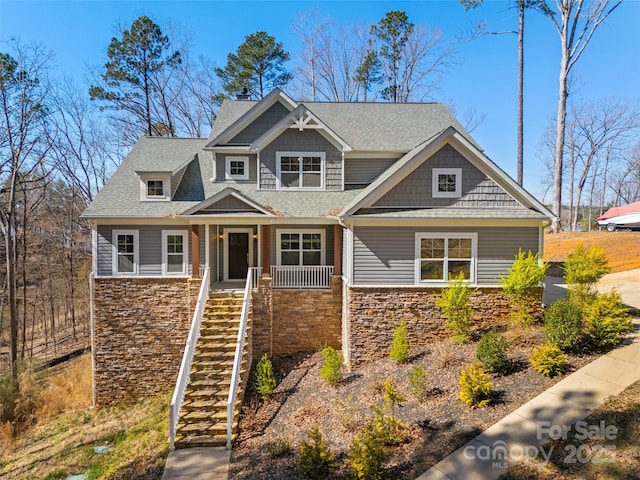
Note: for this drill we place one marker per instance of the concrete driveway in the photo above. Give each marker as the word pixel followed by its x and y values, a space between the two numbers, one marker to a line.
pixel 627 284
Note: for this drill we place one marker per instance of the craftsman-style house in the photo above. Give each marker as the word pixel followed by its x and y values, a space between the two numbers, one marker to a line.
pixel 346 218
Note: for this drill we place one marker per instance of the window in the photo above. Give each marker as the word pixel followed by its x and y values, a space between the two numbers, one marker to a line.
pixel 125 252
pixel 237 168
pixel 174 251
pixel 300 170
pixel 447 183
pixel 300 247
pixel 443 256
pixel 155 188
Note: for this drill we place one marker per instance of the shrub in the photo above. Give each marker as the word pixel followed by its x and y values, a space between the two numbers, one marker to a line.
pixel 278 449
pixel 392 397
pixel 563 324
pixel 522 284
pixel 548 360
pixel 366 455
pixel 388 430
pixel 419 383
pixel 331 371
pixel 265 379
pixel 606 320
pixel 492 351
pixel 316 460
pixel 583 268
pixel 476 387
pixel 455 304
pixel 400 349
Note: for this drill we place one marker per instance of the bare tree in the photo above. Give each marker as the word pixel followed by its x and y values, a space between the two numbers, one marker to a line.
pixel 575 22
pixel 331 59
pixel 23 147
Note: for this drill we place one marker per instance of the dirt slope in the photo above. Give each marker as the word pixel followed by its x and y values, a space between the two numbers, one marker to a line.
pixel 622 248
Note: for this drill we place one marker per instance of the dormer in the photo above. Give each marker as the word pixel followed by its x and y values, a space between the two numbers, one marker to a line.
pixel 155 186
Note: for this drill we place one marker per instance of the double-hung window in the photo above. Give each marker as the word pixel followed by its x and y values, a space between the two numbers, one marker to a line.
pixel 300 170
pixel 441 256
pixel 300 247
pixel 125 252
pixel 174 252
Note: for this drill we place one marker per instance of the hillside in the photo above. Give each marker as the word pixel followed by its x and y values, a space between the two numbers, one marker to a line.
pixel 621 248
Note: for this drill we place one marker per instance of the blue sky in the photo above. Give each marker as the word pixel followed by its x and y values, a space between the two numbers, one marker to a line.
pixel 484 76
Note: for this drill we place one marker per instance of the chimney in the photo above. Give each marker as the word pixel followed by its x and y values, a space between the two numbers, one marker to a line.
pixel 244 95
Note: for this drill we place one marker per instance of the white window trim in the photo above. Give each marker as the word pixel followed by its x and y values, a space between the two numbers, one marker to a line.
pixel 166 188
pixel 447 236
pixel 136 252
pixel 227 168
pixel 446 171
pixel 322 156
pixel 323 246
pixel 165 254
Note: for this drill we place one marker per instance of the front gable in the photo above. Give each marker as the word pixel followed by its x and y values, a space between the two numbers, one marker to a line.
pixel 409 184
pixel 416 190
pixel 261 124
pixel 228 202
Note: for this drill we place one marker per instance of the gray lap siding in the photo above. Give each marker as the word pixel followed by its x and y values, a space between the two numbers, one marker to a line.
pixel 386 255
pixel 149 244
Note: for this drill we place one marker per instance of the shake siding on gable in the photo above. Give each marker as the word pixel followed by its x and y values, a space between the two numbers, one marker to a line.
pixel 293 140
pixel 264 122
pixel 385 256
pixel 477 189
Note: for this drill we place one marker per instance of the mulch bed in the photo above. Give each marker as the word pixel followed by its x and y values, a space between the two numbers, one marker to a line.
pixel 437 427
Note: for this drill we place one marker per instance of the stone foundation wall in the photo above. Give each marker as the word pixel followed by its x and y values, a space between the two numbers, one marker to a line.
pixel 375 312
pixel 141 326
pixel 290 321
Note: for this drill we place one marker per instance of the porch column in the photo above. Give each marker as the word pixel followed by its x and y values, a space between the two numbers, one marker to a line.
pixel 337 250
pixel 266 251
pixel 195 251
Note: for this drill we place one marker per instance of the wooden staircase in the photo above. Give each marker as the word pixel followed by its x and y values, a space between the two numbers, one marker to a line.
pixel 203 418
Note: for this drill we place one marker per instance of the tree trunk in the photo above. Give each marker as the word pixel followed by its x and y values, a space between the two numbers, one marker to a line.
pixel 563 94
pixel 520 126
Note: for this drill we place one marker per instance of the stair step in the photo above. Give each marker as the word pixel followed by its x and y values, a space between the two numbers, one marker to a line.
pixel 201 441
pixel 214 375
pixel 213 404
pixel 203 427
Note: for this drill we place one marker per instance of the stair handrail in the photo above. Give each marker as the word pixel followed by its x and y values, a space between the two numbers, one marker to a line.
pixel 187 358
pixel 237 361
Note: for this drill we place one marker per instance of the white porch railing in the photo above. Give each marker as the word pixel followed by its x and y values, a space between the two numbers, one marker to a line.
pixel 237 362
pixel 255 275
pixel 187 358
pixel 287 276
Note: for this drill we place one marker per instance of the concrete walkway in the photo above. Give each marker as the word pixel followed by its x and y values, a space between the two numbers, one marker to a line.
pixel 525 433
pixel 198 464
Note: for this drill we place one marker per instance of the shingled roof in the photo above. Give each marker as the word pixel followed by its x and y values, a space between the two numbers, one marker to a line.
pixel 366 127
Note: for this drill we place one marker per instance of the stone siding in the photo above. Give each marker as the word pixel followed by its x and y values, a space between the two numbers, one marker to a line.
pixel 374 313
pixel 141 326
pixel 290 321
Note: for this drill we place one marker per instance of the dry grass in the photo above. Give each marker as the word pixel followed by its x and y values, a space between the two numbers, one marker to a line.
pixel 67 431
pixel 621 248
pixel 67 391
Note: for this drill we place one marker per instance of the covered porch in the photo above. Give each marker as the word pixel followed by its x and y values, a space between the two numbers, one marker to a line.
pixel 292 256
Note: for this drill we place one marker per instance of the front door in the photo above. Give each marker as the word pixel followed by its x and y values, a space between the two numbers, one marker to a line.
pixel 238 255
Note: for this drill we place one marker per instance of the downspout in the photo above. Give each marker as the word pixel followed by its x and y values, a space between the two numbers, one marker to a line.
pixel 94 270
